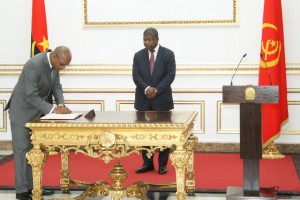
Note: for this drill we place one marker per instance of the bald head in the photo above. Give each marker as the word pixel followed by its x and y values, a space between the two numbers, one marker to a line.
pixel 60 57
pixel 64 53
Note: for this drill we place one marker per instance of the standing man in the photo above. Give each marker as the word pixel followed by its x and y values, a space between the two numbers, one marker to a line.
pixel 30 99
pixel 153 72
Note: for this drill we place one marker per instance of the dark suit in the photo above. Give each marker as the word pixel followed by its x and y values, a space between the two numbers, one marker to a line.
pixel 29 100
pixel 162 78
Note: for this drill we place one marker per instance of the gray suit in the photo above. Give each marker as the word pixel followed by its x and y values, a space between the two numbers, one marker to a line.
pixel 30 99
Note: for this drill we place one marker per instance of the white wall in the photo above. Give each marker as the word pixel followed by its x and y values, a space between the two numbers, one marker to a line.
pixel 206 56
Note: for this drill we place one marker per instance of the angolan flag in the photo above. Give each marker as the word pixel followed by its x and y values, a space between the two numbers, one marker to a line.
pixel 273 58
pixel 39 33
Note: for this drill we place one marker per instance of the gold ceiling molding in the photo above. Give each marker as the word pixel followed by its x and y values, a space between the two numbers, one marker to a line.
pixel 231 21
pixel 132 90
pixel 128 70
pixel 179 70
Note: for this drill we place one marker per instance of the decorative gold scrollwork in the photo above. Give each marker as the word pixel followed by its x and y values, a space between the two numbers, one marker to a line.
pixel 191 144
pixel 107 138
pixel 106 147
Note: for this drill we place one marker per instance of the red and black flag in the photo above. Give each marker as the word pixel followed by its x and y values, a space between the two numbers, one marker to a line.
pixel 39 33
pixel 272 50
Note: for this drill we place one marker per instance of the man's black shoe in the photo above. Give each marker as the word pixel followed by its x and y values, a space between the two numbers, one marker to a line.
pixel 144 168
pixel 45 192
pixel 162 170
pixel 23 196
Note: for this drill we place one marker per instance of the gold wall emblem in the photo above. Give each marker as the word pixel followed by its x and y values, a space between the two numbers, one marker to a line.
pixel 250 94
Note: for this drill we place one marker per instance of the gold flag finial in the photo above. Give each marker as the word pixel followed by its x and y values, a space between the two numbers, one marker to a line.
pixel 271 152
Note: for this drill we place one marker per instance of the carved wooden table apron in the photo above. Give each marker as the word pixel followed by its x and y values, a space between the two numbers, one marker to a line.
pixel 115 134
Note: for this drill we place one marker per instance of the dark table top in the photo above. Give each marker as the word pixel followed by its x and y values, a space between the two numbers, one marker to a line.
pixel 131 117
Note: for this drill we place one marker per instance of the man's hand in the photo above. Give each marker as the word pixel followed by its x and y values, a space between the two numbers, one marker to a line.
pixel 61 110
pixel 151 92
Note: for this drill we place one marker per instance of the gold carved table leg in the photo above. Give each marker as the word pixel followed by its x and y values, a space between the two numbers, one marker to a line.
pixel 65 172
pixel 191 146
pixel 36 158
pixel 180 158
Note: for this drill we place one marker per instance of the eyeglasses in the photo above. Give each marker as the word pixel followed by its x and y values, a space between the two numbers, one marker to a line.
pixel 60 63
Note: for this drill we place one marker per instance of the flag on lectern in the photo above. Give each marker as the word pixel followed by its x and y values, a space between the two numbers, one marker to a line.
pixel 39 34
pixel 273 70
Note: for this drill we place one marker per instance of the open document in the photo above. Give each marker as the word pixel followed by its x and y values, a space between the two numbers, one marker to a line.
pixel 62 116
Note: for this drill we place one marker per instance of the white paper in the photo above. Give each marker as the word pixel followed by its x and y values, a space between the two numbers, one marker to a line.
pixel 62 116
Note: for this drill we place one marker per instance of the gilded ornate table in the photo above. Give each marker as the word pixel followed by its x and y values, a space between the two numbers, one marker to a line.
pixel 115 134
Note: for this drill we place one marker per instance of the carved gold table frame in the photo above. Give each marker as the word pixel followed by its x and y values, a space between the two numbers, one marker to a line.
pixel 110 135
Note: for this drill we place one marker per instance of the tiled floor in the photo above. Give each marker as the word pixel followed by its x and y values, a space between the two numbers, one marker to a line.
pixel 10 195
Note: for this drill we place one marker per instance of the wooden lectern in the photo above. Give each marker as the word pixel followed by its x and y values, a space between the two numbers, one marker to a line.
pixel 250 99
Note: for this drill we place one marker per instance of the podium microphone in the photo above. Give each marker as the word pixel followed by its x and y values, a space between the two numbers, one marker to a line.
pixel 262 57
pixel 237 68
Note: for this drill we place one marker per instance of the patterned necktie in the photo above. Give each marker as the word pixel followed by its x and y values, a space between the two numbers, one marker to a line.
pixel 152 61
